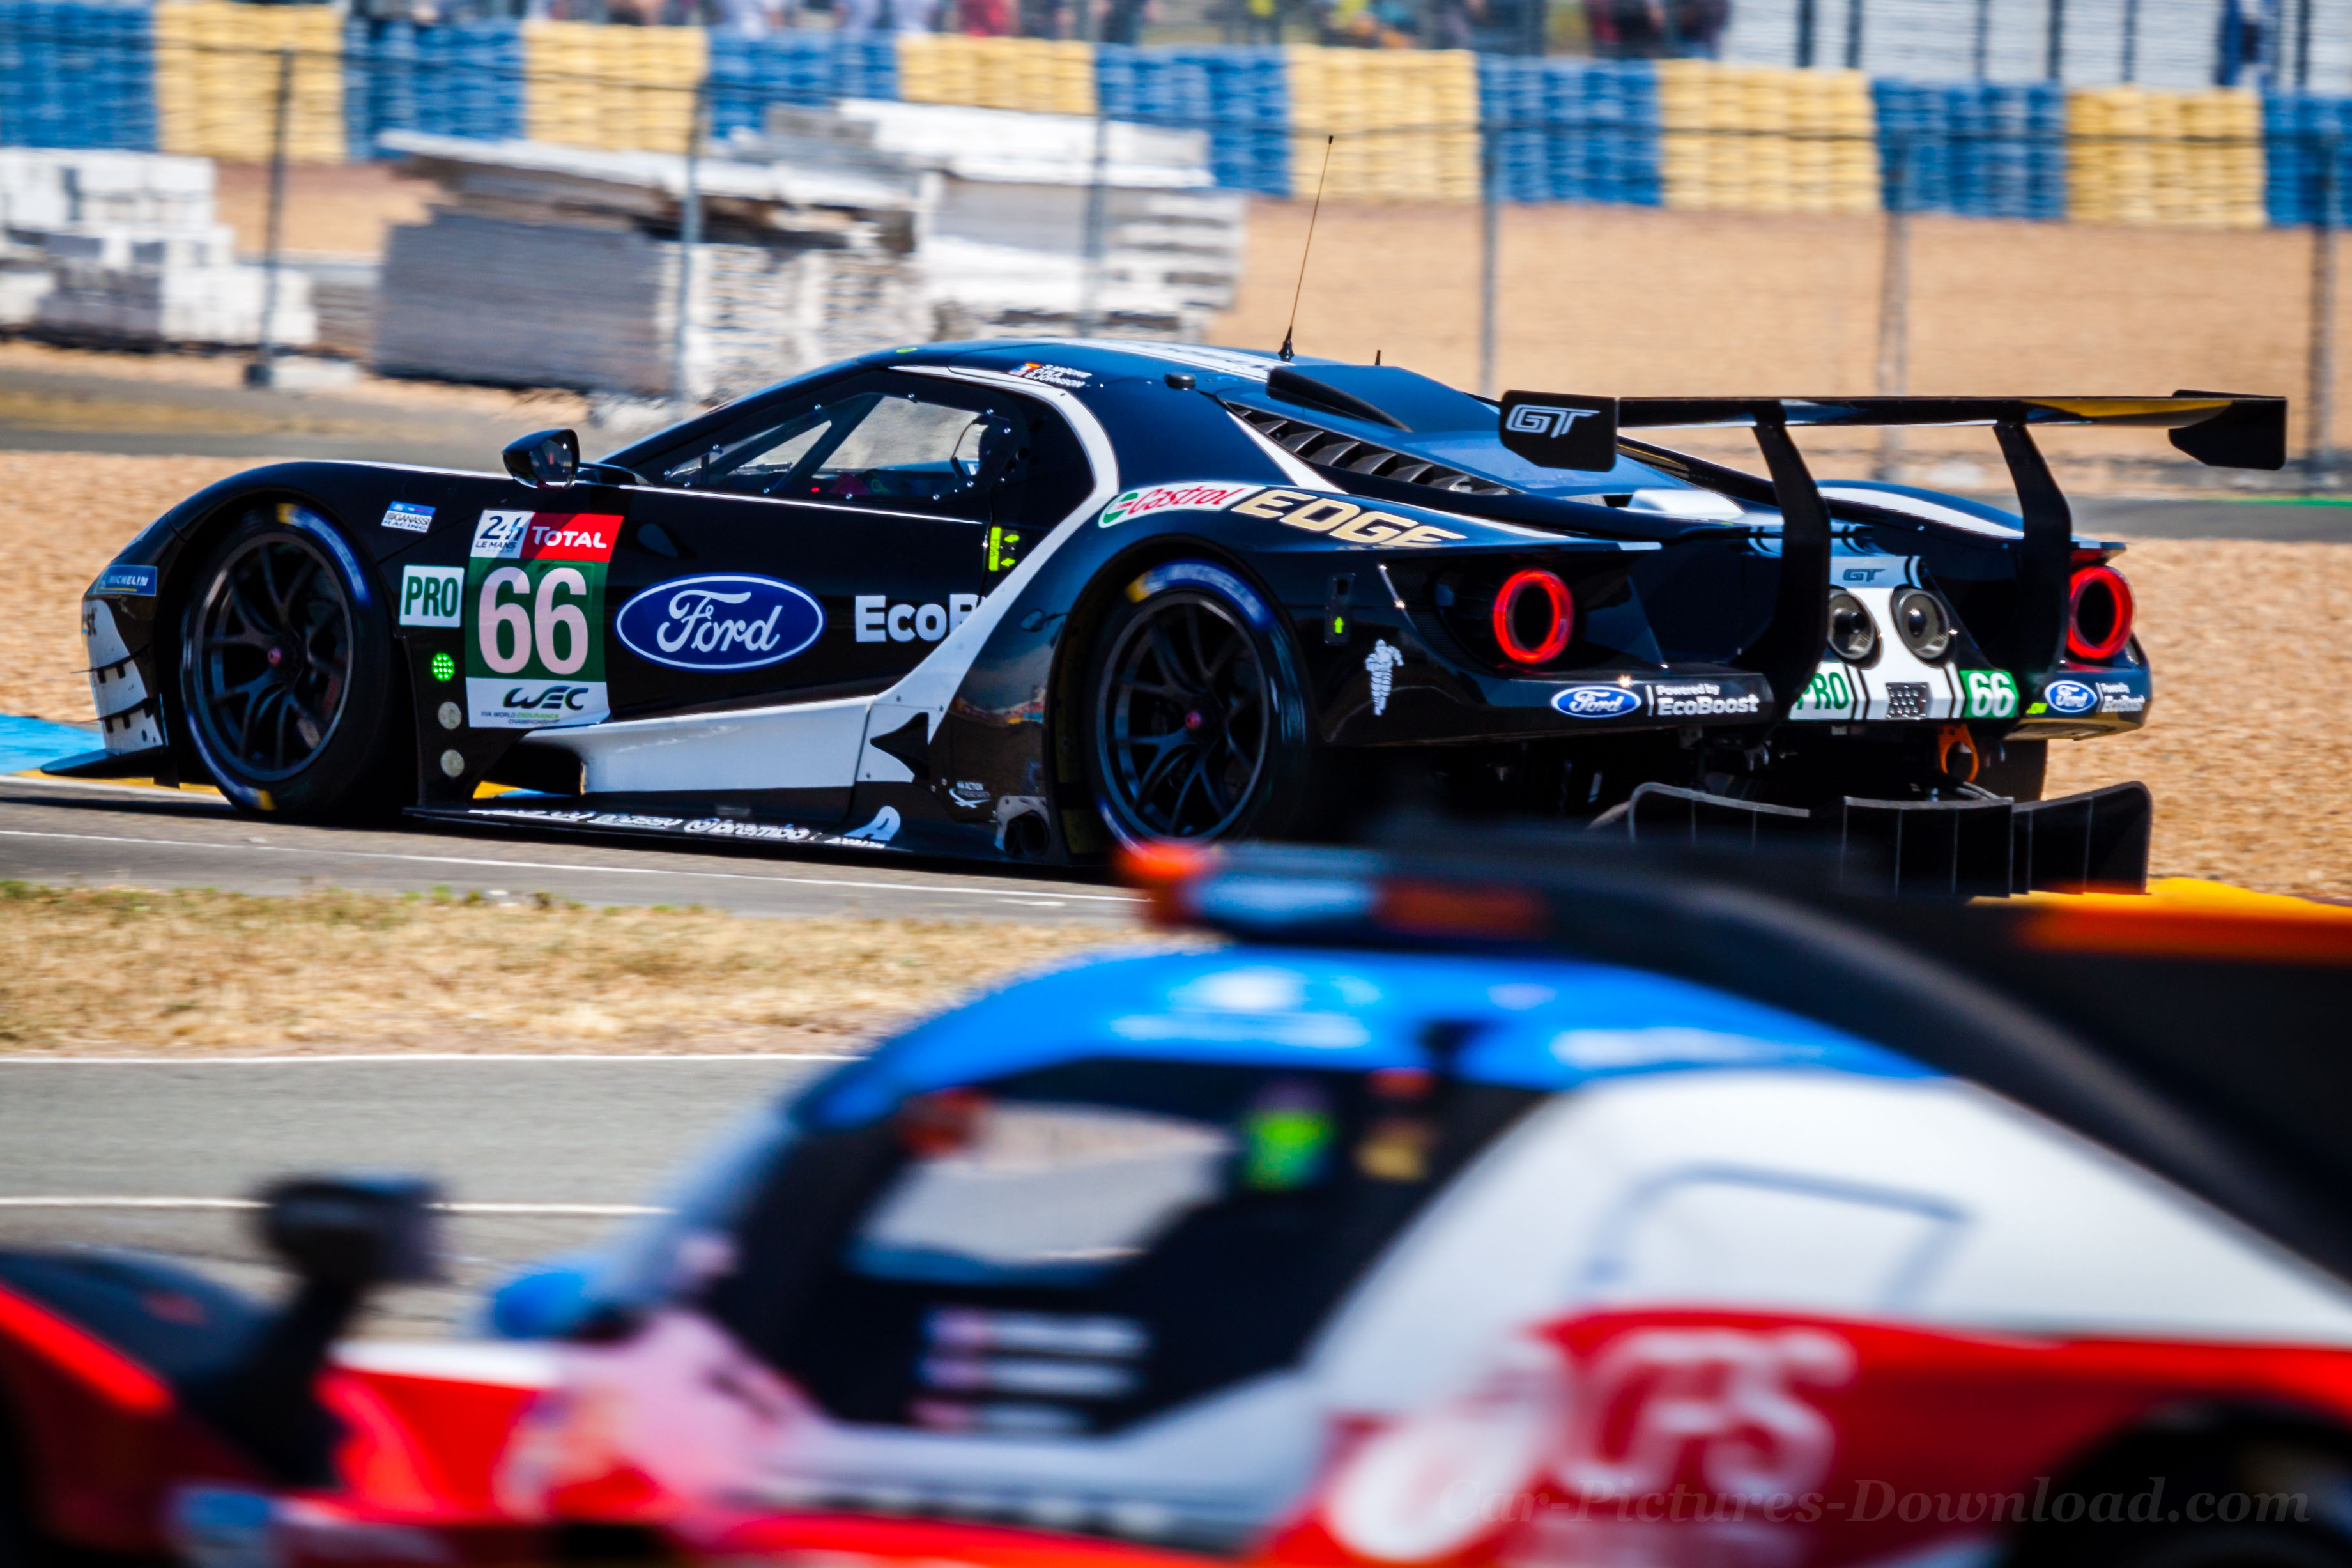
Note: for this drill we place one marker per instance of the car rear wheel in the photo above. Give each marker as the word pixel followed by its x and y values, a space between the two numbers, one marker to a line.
pixel 1198 727
pixel 288 681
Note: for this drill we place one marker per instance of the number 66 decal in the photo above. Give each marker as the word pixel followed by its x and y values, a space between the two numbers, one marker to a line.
pixel 510 633
pixel 535 618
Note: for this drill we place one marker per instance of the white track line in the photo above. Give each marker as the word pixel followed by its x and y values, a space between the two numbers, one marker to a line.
pixel 776 1056
pixel 1034 898
pixel 585 1211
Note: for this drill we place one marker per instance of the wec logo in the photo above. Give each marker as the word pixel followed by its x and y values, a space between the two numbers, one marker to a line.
pixel 1541 419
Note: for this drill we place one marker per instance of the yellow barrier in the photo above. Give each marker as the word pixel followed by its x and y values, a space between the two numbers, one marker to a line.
pixel 1764 139
pixel 2184 159
pixel 216 80
pixel 1406 122
pixel 1041 75
pixel 620 88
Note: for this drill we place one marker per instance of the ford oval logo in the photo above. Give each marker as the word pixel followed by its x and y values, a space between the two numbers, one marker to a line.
pixel 2069 697
pixel 1597 702
pixel 723 621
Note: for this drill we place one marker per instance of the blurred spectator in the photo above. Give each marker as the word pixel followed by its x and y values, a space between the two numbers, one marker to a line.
pixel 913 16
pixel 1451 21
pixel 1041 19
pixel 984 18
pixel 1123 21
pixel 1654 30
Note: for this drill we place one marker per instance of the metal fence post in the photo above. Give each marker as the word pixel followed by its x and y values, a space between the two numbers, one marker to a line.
pixel 1895 297
pixel 263 370
pixel 1805 23
pixel 2318 446
pixel 1490 240
pixel 2057 71
pixel 1095 240
pixel 689 235
pixel 1853 20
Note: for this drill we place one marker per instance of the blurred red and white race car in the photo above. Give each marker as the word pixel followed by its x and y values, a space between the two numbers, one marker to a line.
pixel 1432 1224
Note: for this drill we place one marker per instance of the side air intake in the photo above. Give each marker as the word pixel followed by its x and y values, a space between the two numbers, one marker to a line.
pixel 1329 449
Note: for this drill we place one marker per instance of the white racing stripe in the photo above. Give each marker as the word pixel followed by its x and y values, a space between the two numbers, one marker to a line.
pixel 584 1211
pixel 1035 899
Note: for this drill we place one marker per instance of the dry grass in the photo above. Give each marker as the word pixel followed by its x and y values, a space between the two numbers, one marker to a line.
pixel 2249 744
pixel 228 972
pixel 70 513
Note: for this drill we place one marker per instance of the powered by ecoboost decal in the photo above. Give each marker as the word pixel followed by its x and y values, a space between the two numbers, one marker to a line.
pixel 2118 697
pixel 1700 700
pixel 2069 697
pixel 720 621
pixel 1597 702
pixel 535 618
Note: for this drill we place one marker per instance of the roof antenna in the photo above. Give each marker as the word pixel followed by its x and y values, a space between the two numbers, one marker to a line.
pixel 1376 356
pixel 1307 249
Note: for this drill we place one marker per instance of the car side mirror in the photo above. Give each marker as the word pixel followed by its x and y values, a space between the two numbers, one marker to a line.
pixel 354 1232
pixel 544 460
pixel 342 1236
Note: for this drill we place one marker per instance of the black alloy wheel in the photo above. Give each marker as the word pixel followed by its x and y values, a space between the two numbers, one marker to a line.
pixel 290 690
pixel 275 639
pixel 1198 732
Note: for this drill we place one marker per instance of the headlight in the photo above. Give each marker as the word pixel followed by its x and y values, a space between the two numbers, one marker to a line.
pixel 1923 623
pixel 1853 633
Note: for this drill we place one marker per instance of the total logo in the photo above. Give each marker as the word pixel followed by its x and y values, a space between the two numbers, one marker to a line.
pixel 1597 702
pixel 879 620
pixel 2069 697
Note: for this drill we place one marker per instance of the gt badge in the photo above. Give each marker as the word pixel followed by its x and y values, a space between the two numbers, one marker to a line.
pixel 534 601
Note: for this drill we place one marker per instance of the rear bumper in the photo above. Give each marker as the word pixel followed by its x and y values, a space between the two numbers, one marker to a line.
pixel 1967 847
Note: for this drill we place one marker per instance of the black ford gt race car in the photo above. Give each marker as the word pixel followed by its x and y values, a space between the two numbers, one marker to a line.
pixel 1023 601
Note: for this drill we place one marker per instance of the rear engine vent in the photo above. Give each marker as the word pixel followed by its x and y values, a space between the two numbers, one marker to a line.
pixel 1329 449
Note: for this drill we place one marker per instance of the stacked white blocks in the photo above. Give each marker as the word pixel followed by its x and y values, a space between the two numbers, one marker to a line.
pixel 125 246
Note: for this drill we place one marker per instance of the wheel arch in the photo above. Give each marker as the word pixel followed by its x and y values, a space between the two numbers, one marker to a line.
pixel 1073 650
pixel 215 516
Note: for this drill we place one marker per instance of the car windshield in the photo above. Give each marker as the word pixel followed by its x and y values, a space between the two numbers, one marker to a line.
pixel 1070 1249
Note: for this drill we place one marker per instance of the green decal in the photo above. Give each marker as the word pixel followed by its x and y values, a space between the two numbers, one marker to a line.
pixel 535 618
pixel 1992 693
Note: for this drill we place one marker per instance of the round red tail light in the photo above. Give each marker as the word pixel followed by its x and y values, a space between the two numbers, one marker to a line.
pixel 1535 616
pixel 2098 613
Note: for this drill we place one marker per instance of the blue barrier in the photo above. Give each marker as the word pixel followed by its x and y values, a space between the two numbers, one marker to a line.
pixel 457 79
pixel 1240 96
pixel 808 69
pixel 76 74
pixel 1978 149
pixel 2308 147
pixel 1570 131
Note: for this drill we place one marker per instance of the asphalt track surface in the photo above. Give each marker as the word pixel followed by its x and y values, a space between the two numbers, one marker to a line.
pixel 540 1155
pixel 68 833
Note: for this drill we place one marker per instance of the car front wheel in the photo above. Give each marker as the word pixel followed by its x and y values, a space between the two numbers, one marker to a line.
pixel 287 680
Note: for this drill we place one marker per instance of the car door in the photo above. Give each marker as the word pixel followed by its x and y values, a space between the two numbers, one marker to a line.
pixel 821 546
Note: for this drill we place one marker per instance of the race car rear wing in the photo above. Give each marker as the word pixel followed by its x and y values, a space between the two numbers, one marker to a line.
pixel 1557 430
pixel 2198 1032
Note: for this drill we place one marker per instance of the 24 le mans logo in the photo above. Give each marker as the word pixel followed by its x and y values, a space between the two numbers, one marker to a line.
pixel 534 606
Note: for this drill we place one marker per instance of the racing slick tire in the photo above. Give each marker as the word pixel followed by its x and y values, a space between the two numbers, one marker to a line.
pixel 1195 721
pixel 290 689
